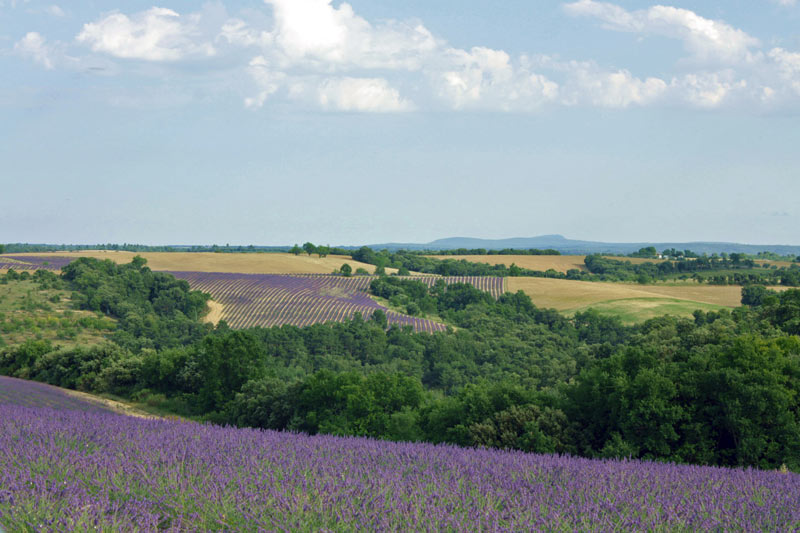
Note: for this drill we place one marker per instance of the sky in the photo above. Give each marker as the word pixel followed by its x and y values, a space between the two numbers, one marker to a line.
pixel 283 121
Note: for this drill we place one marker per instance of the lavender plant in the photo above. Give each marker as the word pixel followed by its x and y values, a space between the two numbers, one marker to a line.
pixel 65 469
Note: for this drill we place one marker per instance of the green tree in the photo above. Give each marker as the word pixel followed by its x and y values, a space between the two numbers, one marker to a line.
pixel 309 248
pixel 379 317
pixel 296 250
pixel 346 270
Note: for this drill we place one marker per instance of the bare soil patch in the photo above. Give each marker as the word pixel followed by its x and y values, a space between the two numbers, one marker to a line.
pixel 214 315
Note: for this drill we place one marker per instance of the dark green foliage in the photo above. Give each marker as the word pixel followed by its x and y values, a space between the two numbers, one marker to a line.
pixel 735 269
pixel 154 310
pixel 753 295
pixel 309 248
pixel 720 389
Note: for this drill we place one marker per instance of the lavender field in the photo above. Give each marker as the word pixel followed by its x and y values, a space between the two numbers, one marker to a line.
pixel 268 300
pixel 300 300
pixel 31 394
pixel 31 263
pixel 67 469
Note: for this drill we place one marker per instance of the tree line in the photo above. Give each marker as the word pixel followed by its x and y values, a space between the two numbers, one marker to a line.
pixel 720 388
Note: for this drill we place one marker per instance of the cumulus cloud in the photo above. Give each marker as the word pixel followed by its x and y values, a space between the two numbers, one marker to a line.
pixel 324 55
pixel 788 65
pixel 361 94
pixel 267 79
pixel 158 34
pixel 706 39
pixel 486 78
pixel 709 90
pixel 613 89
pixel 316 31
pixel 34 46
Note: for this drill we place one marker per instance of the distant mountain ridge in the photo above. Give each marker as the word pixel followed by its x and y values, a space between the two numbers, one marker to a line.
pixel 572 246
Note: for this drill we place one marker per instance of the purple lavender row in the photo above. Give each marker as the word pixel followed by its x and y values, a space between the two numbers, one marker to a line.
pixel 68 471
pixel 31 394
pixel 31 262
pixel 277 299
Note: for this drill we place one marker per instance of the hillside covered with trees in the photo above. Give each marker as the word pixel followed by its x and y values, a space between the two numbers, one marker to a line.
pixel 718 389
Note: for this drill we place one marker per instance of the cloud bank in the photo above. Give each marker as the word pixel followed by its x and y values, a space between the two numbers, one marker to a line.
pixel 324 56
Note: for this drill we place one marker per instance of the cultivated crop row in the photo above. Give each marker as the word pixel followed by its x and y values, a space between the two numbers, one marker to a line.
pixel 274 300
pixel 66 470
pixel 26 262
pixel 494 285
pixel 31 394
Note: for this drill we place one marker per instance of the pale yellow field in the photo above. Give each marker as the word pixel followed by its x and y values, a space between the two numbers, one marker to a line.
pixel 559 263
pixel 243 263
pixel 779 264
pixel 567 295
pixel 214 315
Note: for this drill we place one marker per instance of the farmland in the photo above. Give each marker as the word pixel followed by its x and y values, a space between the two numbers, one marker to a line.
pixel 481 383
pixel 31 394
pixel 249 300
pixel 243 263
pixel 60 471
pixel 244 299
pixel 633 302
pixel 33 262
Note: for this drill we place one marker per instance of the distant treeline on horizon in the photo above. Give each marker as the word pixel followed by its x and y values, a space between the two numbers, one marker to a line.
pixel 646 253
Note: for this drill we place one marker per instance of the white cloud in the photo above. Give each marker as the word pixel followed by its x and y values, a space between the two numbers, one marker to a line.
pixel 268 81
pixel 158 34
pixel 325 55
pixel 316 31
pixel 485 78
pixel 237 32
pixel 34 46
pixel 706 39
pixel 616 89
pixel 361 94
pixel 55 11
pixel 709 90
pixel 788 65
pixel 786 3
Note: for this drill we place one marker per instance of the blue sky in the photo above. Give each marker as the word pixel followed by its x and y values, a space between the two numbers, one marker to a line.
pixel 281 121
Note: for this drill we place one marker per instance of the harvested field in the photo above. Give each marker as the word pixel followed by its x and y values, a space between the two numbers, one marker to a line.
pixel 568 295
pixel 635 310
pixel 243 263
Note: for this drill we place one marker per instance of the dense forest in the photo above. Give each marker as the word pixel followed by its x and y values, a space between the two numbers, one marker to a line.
pixel 721 388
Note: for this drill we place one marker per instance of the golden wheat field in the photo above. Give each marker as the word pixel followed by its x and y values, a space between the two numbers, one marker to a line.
pixel 242 263
pixel 568 295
